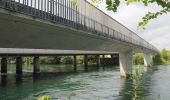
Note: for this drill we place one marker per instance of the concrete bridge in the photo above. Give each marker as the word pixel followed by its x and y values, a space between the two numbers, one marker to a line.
pixel 64 27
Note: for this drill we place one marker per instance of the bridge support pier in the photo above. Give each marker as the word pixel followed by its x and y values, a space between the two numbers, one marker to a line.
pixel 4 66
pixel 85 63
pixel 147 59
pixel 98 61
pixel 19 65
pixel 75 63
pixel 36 64
pixel 126 63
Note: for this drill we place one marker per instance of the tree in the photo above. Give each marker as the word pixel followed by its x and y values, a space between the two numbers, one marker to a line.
pixel 157 60
pixel 112 5
pixel 164 54
pixel 138 59
pixel 67 60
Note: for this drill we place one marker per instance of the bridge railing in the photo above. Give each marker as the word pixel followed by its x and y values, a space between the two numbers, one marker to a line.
pixel 78 14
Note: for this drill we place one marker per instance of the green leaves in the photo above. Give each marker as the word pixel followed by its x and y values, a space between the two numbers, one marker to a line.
pixel 46 97
pixel 75 3
pixel 109 4
pixel 95 2
pixel 137 78
pixel 130 1
pixel 112 5
pixel 149 16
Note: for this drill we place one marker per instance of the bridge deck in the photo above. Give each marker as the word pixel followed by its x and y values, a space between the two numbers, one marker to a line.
pixel 69 17
pixel 45 52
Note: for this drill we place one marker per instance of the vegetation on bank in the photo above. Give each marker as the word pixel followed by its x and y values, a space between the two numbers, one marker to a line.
pixel 92 59
pixel 163 57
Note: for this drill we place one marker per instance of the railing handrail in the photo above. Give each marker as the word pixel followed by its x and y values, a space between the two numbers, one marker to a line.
pixel 117 22
pixel 72 18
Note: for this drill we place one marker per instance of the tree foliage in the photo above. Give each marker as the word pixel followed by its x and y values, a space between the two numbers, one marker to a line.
pixel 138 59
pixel 67 60
pixel 164 54
pixel 162 57
pixel 112 5
pixel 158 60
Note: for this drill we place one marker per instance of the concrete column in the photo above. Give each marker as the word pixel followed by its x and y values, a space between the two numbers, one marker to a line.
pixel 4 66
pixel 98 61
pixel 126 63
pixel 19 65
pixel 147 59
pixel 85 63
pixel 75 63
pixel 36 64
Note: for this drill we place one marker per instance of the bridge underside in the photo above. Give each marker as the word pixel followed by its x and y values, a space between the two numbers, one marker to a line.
pixel 22 35
pixel 25 32
pixel 47 52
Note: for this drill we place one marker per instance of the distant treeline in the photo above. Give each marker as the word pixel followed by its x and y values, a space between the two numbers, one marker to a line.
pixel 163 57
pixel 55 59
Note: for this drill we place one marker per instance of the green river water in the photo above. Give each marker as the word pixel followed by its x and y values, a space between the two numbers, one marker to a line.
pixel 102 84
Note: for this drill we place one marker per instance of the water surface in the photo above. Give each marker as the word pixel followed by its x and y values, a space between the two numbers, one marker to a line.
pixel 102 84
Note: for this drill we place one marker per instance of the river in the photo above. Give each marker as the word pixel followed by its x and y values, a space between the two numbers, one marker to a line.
pixel 102 84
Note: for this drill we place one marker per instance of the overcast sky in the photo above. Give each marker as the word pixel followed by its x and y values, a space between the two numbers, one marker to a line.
pixel 157 32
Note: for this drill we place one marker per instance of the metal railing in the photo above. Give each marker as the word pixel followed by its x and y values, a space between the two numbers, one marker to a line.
pixel 77 16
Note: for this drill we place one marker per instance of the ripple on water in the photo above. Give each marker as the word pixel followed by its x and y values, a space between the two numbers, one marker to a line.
pixel 102 85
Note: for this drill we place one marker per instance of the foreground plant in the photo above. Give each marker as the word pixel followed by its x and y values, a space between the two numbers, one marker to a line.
pixel 46 97
pixel 137 79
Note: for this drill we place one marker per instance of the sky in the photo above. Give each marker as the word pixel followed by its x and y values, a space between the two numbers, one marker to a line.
pixel 157 32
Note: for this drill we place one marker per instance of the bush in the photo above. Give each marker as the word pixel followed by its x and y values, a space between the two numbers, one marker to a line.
pixel 67 60
pixel 158 60
pixel 80 59
pixel 138 59
pixel 50 60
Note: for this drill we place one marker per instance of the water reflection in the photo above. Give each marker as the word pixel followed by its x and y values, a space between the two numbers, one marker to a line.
pixel 19 80
pixel 3 81
pixel 126 87
pixel 102 84
pixel 145 69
